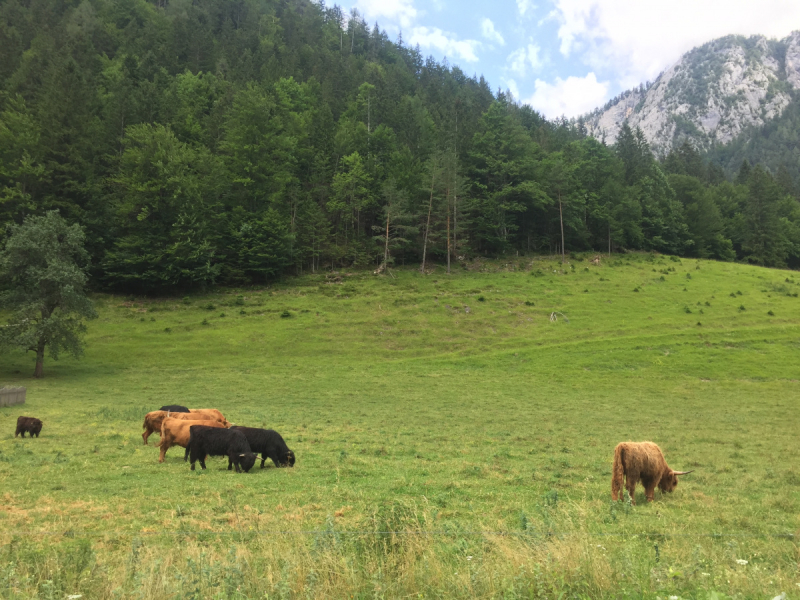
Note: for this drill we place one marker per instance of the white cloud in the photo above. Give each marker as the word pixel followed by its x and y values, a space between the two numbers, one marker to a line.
pixel 490 33
pixel 399 12
pixel 512 87
pixel 638 40
pixel 571 97
pixel 522 58
pixel 523 6
pixel 444 42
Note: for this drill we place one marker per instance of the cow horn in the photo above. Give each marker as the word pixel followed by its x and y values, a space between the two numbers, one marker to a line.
pixel 242 455
pixel 682 472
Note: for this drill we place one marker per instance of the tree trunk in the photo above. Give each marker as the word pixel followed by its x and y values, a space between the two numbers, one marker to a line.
pixel 38 372
pixel 427 227
pixel 448 232
pixel 561 217
pixel 455 217
pixel 386 247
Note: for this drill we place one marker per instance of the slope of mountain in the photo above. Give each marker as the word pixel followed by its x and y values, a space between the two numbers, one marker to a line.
pixel 711 95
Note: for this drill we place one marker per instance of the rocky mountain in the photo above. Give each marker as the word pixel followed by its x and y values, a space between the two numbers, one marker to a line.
pixel 710 96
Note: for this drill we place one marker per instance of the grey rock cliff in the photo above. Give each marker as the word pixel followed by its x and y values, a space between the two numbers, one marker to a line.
pixel 709 95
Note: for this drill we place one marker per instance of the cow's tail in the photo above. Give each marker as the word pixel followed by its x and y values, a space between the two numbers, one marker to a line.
pixel 617 473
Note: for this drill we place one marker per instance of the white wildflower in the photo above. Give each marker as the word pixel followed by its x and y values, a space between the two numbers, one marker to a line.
pixel 469 558
pixel 782 596
pixel 74 596
pixel 741 561
pixel 674 598
pixel 705 574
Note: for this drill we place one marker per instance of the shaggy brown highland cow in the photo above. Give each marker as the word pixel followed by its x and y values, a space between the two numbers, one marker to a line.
pixel 154 419
pixel 641 461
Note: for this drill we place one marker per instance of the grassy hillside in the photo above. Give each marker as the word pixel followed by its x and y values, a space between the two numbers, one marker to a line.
pixel 451 440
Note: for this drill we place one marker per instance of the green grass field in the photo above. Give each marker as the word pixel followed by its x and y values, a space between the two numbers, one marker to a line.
pixel 452 441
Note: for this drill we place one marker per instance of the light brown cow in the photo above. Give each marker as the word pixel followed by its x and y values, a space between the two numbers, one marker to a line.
pixel 208 411
pixel 153 420
pixel 641 461
pixel 175 432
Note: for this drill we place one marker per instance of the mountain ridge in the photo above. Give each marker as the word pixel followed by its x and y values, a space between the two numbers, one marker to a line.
pixel 712 94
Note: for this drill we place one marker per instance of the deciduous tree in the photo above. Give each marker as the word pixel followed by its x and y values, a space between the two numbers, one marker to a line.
pixel 43 271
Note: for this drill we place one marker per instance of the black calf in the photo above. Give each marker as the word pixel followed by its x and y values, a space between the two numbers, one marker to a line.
pixel 174 408
pixel 31 425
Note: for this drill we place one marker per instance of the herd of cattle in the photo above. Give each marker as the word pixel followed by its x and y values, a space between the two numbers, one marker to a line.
pixel 204 432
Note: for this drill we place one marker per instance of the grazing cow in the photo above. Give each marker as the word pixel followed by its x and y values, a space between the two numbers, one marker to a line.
pixel 212 412
pixel 270 444
pixel 207 441
pixel 641 461
pixel 30 424
pixel 175 432
pixel 154 419
pixel 174 408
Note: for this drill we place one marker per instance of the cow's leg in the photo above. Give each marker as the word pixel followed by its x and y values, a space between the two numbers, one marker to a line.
pixel 649 487
pixel 192 466
pixel 233 461
pixel 203 463
pixel 163 451
pixel 263 458
pixel 649 492
pixel 630 485
pixel 186 454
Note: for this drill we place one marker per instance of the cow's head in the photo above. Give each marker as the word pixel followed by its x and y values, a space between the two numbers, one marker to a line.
pixel 669 481
pixel 247 460
pixel 288 459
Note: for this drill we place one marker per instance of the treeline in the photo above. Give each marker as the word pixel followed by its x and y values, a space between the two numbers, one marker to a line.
pixel 775 144
pixel 231 141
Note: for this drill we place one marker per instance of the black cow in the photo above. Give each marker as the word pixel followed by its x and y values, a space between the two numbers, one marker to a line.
pixel 30 424
pixel 270 444
pixel 209 441
pixel 174 408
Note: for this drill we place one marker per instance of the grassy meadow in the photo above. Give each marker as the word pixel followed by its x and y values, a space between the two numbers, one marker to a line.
pixel 452 440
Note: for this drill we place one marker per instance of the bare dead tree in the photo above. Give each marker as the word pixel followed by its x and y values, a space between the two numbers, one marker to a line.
pixel 428 225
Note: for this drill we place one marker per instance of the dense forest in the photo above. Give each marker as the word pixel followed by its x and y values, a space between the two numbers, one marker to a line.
pixel 232 141
pixel 776 144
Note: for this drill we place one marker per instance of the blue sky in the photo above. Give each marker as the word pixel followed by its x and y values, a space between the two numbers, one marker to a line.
pixel 566 57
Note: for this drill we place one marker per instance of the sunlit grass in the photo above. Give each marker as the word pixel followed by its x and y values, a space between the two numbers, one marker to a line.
pixel 479 429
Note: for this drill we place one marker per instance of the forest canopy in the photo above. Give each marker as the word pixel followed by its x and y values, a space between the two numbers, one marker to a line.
pixel 231 141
